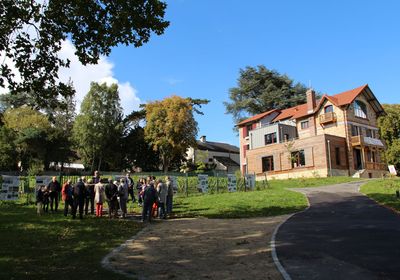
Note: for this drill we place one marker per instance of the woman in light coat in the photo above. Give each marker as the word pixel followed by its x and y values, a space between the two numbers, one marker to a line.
pixel 99 198
pixel 162 191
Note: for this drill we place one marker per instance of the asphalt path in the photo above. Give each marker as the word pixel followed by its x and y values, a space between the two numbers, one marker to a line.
pixel 343 235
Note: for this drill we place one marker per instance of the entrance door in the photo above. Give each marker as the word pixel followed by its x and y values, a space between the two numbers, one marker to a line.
pixel 357 159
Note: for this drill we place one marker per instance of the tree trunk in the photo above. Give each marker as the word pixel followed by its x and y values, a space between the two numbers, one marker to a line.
pixel 99 166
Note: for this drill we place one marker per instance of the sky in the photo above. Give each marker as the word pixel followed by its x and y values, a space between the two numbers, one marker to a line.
pixel 332 45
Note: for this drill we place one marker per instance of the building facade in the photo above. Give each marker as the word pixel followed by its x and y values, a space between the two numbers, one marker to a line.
pixel 226 157
pixel 335 135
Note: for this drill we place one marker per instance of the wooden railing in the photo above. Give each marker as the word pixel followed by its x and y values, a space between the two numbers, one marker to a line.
pixel 327 118
pixel 357 140
pixel 375 166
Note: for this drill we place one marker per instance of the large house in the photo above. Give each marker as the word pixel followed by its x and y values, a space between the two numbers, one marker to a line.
pixel 226 157
pixel 335 135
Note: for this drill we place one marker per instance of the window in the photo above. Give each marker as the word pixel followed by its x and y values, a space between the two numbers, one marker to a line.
pixel 369 133
pixel 285 137
pixel 328 109
pixel 248 128
pixel 337 155
pixel 355 130
pixel 270 138
pixel 304 124
pixel 360 109
pixel 267 163
pixel 298 159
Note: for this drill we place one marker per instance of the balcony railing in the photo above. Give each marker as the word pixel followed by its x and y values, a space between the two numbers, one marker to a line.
pixel 375 166
pixel 360 140
pixel 327 118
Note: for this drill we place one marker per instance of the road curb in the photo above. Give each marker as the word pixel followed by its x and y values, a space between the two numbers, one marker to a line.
pixel 274 254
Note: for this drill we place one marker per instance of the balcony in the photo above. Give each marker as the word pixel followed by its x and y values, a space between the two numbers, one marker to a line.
pixel 327 118
pixel 366 141
pixel 375 166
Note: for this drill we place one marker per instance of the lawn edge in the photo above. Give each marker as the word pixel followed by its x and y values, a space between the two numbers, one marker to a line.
pixel 396 211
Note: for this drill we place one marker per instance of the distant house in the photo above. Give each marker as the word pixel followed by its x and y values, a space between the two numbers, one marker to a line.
pixel 335 135
pixel 225 156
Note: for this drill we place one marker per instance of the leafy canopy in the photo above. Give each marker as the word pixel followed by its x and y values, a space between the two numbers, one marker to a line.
pixel 98 128
pixel 171 127
pixel 259 90
pixel 389 129
pixel 31 34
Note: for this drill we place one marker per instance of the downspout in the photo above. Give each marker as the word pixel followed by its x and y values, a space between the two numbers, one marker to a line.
pixel 347 140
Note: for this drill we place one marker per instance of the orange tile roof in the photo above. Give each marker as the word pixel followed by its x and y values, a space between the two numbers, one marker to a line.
pixel 300 111
pixel 347 97
pixel 256 117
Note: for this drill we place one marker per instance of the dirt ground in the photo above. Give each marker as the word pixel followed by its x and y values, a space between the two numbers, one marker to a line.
pixel 199 249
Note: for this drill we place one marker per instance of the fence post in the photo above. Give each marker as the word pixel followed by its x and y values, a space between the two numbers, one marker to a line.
pixel 217 182
pixel 186 184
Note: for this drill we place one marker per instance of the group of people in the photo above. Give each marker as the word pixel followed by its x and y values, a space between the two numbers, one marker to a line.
pixel 154 196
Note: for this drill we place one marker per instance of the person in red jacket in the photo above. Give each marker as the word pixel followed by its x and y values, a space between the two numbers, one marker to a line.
pixel 66 194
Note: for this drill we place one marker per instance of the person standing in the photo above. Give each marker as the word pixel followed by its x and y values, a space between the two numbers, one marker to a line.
pixel 99 198
pixel 131 186
pixel 67 197
pixel 162 192
pixel 54 189
pixel 79 198
pixel 170 195
pixel 111 191
pixel 89 199
pixel 149 197
pixel 39 200
pixel 123 196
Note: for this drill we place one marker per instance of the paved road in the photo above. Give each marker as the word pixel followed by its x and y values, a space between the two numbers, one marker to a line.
pixel 343 235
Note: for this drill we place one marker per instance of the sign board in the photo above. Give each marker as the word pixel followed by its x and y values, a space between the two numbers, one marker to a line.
pixel 231 183
pixel 250 181
pixel 203 183
pixel 174 183
pixel 392 170
pixel 9 188
pixel 42 180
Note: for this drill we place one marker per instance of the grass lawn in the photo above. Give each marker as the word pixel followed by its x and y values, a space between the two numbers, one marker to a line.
pixel 55 247
pixel 269 201
pixel 383 191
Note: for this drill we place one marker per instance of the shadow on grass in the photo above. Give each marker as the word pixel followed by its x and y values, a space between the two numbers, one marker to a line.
pixel 387 199
pixel 52 246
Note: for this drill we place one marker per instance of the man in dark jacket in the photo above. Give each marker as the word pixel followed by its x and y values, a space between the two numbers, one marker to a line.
pixel 54 188
pixel 79 198
pixel 111 191
pixel 149 197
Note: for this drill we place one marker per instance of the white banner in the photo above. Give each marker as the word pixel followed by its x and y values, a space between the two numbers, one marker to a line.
pixel 203 183
pixel 392 170
pixel 9 188
pixel 231 182
pixel 250 181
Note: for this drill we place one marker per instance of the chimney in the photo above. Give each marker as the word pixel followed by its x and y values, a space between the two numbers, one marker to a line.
pixel 311 103
pixel 203 139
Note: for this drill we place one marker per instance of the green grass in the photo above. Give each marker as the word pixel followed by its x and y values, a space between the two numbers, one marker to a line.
pixel 270 200
pixel 383 191
pixel 55 247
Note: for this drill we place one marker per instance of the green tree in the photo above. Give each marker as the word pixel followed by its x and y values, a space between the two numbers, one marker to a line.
pixel 259 90
pixel 8 154
pixel 60 147
pixel 31 33
pixel 98 128
pixel 389 129
pixel 31 129
pixel 171 127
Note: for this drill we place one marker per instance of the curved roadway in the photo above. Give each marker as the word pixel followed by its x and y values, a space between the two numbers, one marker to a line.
pixel 343 235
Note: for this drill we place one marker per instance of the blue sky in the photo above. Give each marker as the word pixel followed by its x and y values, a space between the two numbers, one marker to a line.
pixel 337 45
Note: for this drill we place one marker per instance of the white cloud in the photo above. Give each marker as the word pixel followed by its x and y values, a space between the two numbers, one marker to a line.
pixel 82 76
